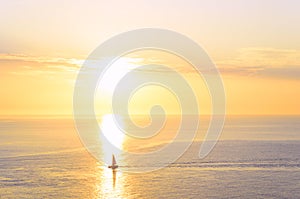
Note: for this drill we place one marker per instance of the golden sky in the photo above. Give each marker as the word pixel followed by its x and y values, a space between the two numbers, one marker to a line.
pixel 255 45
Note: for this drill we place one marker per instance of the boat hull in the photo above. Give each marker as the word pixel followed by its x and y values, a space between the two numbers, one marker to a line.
pixel 113 166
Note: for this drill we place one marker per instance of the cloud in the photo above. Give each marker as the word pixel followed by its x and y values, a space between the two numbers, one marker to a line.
pixel 259 62
pixel 287 72
pixel 264 57
pixel 40 63
pixel 263 62
pixel 19 64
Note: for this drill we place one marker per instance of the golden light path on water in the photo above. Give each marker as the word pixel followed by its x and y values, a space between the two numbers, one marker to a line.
pixel 111 185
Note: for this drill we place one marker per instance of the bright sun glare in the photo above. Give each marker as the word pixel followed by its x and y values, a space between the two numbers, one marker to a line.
pixel 115 72
pixel 114 136
pixel 108 82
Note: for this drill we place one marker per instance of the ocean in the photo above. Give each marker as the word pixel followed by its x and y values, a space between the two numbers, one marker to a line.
pixel 255 157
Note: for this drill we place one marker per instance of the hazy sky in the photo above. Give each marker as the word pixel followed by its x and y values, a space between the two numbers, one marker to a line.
pixel 255 44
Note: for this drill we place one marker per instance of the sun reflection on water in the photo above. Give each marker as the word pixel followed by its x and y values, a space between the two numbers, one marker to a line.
pixel 111 183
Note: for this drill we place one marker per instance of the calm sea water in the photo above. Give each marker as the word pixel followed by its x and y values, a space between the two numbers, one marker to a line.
pixel 256 157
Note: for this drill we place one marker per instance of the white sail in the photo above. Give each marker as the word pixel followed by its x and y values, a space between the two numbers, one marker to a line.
pixel 114 163
pixel 114 160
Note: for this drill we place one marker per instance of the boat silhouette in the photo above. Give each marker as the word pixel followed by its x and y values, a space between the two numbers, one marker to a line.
pixel 114 163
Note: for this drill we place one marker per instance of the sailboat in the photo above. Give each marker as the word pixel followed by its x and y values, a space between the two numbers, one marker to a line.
pixel 114 163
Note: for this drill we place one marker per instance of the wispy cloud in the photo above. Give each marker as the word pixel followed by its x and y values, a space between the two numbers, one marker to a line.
pixel 265 57
pixel 260 62
pixel 20 64
pixel 268 62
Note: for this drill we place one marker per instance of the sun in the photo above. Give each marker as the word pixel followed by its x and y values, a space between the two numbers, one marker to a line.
pixel 115 72
pixel 108 82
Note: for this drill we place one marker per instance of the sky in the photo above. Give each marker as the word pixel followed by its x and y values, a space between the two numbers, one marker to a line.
pixel 254 44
